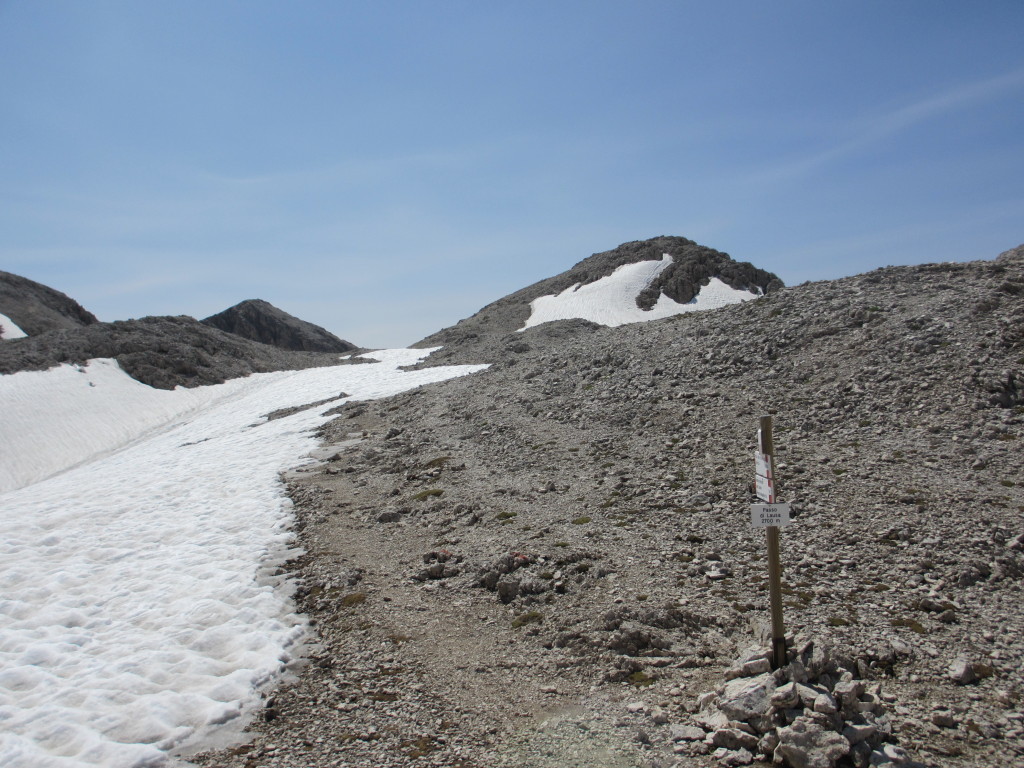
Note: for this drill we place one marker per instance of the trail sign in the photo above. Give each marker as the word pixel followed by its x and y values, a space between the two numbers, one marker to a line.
pixel 764 515
pixel 765 491
pixel 762 464
pixel 770 516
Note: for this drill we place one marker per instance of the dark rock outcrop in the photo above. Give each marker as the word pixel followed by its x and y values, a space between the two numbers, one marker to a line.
pixel 692 267
pixel 261 321
pixel 163 352
pixel 36 308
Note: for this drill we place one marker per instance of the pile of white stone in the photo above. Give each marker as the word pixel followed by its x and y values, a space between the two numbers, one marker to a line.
pixel 811 713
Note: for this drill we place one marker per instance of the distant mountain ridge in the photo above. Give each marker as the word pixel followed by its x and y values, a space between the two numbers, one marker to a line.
pixel 692 267
pixel 255 336
pixel 261 321
pixel 36 308
pixel 163 352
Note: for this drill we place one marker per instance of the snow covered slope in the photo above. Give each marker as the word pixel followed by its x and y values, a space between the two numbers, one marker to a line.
pixel 59 418
pixel 135 612
pixel 612 300
pixel 9 330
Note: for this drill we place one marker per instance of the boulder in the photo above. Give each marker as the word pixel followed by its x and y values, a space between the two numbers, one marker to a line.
pixel 747 697
pixel 806 744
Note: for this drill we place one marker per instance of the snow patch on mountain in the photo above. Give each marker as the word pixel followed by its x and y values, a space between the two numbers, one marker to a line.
pixel 9 329
pixel 611 300
pixel 138 607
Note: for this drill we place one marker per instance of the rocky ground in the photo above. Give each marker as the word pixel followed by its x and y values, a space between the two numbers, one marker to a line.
pixel 551 563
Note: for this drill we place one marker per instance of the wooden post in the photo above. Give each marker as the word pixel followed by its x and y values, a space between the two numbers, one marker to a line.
pixel 774 560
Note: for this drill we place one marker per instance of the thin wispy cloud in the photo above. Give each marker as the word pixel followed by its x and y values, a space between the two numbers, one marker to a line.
pixel 882 127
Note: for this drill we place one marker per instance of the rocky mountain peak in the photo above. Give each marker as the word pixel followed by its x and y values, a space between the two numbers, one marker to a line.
pixel 680 270
pixel 261 321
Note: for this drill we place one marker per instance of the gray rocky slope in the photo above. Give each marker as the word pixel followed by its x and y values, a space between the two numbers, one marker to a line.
pixel 550 563
pixel 691 268
pixel 37 308
pixel 261 321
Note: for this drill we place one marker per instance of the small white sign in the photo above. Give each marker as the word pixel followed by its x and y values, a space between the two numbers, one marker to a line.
pixel 762 464
pixel 765 489
pixel 765 515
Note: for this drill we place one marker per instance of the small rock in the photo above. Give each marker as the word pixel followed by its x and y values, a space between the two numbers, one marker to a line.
pixel 807 695
pixel 889 754
pixel 785 696
pixel 860 754
pixel 944 719
pixel 768 743
pixel 797 672
pixel 508 589
pixel 848 694
pixel 870 703
pixel 490 580
pixel 734 739
pixel 825 704
pixel 981 671
pixel 805 744
pixel 705 700
pixel 899 647
pixel 711 719
pixel 855 734
pixel 962 672
pixel 756 667
pixel 685 733
pixel 745 698
pixel 733 757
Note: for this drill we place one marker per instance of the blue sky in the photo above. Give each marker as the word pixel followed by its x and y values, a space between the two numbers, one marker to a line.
pixel 386 168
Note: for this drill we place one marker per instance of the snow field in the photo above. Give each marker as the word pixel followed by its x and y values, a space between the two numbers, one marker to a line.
pixel 611 300
pixel 131 618
pixel 57 418
pixel 9 330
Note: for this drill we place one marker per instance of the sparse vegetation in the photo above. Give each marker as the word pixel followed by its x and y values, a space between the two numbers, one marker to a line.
pixel 641 679
pixel 911 624
pixel 353 599
pixel 530 617
pixel 427 494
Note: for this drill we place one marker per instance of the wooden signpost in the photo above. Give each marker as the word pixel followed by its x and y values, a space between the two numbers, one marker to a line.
pixel 770 516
